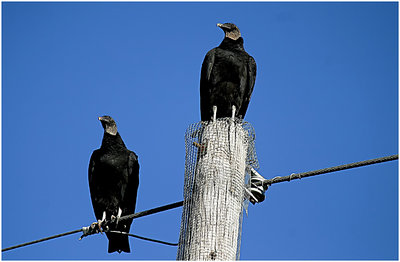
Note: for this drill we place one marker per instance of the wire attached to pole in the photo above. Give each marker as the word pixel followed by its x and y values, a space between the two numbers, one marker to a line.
pixel 279 179
pixel 144 238
pixel 43 239
pixel 265 184
pixel 133 216
pixel 259 185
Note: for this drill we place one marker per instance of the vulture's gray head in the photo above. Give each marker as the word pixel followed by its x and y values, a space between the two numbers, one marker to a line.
pixel 108 124
pixel 231 30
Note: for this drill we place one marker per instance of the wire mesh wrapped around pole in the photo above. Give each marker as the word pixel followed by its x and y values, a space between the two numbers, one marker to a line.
pixel 217 153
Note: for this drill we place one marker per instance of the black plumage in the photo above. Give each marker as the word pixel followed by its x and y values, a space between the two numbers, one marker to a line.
pixel 227 78
pixel 113 183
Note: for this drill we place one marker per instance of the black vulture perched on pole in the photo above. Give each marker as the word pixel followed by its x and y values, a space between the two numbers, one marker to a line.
pixel 113 183
pixel 227 78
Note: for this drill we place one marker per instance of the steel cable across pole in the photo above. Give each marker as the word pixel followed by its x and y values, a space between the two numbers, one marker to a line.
pixel 136 215
pixel 266 183
pixel 329 169
pixel 43 239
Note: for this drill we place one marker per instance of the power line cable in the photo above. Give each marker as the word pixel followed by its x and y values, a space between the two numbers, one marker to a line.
pixel 152 211
pixel 136 215
pixel 90 230
pixel 87 230
pixel 279 179
pixel 144 238
pixel 43 239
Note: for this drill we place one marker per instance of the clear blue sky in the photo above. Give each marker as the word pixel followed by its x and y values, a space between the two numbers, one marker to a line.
pixel 326 94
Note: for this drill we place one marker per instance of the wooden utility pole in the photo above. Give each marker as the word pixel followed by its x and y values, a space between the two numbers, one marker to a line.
pixel 215 170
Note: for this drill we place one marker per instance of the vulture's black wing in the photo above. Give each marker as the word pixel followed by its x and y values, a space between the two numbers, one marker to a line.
pixel 129 198
pixel 206 85
pixel 129 188
pixel 93 186
pixel 251 79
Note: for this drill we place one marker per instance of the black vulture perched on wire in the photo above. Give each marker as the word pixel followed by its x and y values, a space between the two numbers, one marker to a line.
pixel 113 183
pixel 227 78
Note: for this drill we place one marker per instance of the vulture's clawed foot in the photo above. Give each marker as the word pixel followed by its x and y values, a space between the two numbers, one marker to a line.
pixel 115 219
pixel 233 112
pixel 99 222
pixel 214 109
pixel 119 215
